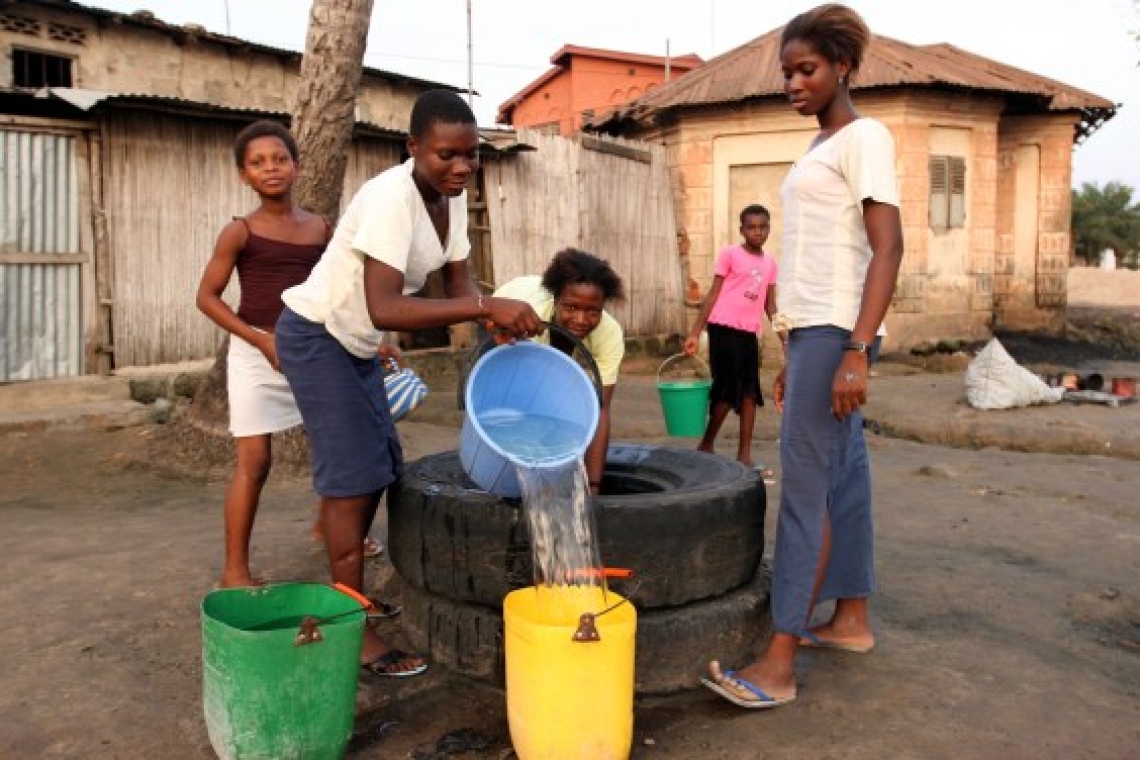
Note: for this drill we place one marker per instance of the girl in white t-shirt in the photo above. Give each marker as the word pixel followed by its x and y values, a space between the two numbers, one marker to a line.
pixel 402 225
pixel 842 247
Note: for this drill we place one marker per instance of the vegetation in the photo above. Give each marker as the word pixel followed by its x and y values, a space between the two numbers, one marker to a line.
pixel 1106 218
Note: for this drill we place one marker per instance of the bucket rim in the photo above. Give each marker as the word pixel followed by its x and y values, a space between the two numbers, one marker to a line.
pixel 473 418
pixel 264 590
pixel 700 362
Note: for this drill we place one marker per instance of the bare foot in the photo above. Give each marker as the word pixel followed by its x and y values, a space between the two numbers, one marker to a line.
pixel 241 580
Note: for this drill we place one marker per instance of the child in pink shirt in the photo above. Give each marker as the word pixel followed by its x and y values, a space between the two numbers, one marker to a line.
pixel 743 289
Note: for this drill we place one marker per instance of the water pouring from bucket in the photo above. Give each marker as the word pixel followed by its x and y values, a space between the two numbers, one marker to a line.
pixel 531 413
pixel 526 404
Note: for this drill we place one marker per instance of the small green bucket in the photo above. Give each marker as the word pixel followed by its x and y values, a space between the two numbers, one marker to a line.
pixel 685 401
pixel 279 670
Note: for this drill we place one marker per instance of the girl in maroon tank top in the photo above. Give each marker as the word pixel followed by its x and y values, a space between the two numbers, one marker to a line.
pixel 274 247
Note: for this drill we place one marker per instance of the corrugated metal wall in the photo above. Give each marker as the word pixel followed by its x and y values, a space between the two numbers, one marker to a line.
pixel 610 205
pixel 171 186
pixel 41 305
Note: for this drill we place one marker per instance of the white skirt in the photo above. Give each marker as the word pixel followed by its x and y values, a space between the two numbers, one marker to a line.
pixel 261 401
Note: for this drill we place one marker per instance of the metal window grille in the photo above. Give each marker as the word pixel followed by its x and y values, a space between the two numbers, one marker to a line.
pixel 32 69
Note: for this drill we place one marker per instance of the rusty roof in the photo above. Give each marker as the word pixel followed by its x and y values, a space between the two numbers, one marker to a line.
pixel 752 71
pixel 195 32
pixel 562 59
pixel 23 101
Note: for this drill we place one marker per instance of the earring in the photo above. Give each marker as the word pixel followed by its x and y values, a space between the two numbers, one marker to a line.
pixel 841 79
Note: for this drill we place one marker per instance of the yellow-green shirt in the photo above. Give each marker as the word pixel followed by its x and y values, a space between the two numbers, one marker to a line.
pixel 606 342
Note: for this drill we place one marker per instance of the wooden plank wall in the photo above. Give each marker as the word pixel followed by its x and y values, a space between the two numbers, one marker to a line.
pixel 171 186
pixel 610 197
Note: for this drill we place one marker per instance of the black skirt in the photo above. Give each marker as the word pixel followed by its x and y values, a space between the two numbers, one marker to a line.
pixel 734 357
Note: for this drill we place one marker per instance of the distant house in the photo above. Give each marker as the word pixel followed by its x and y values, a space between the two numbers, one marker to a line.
pixel 115 148
pixel 984 166
pixel 588 81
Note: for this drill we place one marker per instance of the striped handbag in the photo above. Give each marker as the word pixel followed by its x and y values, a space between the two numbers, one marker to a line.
pixel 405 390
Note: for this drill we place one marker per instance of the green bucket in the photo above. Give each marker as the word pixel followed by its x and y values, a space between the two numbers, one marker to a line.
pixel 270 689
pixel 685 401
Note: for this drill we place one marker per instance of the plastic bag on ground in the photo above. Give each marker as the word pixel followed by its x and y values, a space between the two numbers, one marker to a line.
pixel 995 381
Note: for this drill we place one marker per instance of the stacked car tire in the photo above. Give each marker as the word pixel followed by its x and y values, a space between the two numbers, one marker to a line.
pixel 689 525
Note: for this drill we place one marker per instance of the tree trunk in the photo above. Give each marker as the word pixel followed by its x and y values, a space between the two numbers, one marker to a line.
pixel 323 119
pixel 325 108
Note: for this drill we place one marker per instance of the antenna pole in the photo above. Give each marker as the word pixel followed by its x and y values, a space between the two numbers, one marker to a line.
pixel 470 61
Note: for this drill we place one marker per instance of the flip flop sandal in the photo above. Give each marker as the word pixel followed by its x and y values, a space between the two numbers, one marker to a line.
pixel 380 610
pixel 382 665
pixel 810 640
pixel 740 692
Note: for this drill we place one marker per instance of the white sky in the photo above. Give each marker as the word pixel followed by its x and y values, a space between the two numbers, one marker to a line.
pixel 1084 43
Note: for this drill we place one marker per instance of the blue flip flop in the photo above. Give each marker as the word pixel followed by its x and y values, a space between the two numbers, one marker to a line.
pixel 730 685
pixel 810 641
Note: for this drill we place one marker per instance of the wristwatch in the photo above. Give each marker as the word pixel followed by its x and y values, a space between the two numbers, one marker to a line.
pixel 857 345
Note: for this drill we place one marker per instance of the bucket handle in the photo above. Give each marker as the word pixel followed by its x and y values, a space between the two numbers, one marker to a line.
pixel 489 343
pixel 704 367
pixel 587 631
pixel 309 633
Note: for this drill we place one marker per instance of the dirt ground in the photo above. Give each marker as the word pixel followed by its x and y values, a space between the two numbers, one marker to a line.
pixel 1008 615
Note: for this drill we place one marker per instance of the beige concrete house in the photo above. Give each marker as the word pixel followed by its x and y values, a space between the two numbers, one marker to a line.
pixel 59 43
pixel 115 139
pixel 984 165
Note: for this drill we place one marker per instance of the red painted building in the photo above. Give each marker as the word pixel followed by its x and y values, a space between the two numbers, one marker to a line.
pixel 587 83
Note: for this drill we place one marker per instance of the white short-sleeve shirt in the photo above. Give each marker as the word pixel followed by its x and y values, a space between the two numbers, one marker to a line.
pixel 825 251
pixel 388 221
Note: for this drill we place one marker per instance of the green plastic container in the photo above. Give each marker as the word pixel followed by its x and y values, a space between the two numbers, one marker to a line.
pixel 685 402
pixel 266 697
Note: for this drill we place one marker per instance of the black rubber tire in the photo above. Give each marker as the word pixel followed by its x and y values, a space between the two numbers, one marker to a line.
pixel 690 525
pixel 672 649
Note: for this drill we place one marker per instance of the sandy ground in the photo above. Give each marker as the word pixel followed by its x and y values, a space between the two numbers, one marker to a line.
pixel 1008 615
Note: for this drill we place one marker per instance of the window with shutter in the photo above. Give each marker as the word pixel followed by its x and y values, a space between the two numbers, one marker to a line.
pixel 947 192
pixel 957 192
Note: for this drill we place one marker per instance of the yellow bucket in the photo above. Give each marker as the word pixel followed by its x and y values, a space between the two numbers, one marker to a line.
pixel 569 697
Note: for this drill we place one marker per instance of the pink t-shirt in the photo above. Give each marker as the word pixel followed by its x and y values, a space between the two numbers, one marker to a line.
pixel 744 290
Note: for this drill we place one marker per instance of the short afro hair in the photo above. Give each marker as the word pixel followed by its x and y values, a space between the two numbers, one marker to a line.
pixel 263 128
pixel 754 209
pixel 439 106
pixel 571 266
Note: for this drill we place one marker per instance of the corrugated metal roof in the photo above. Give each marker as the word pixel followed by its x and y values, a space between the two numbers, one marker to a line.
pixel 561 61
pixel 492 140
pixel 752 71
pixel 148 20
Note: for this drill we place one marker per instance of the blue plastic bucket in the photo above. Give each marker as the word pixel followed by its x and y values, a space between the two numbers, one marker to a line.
pixel 530 390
